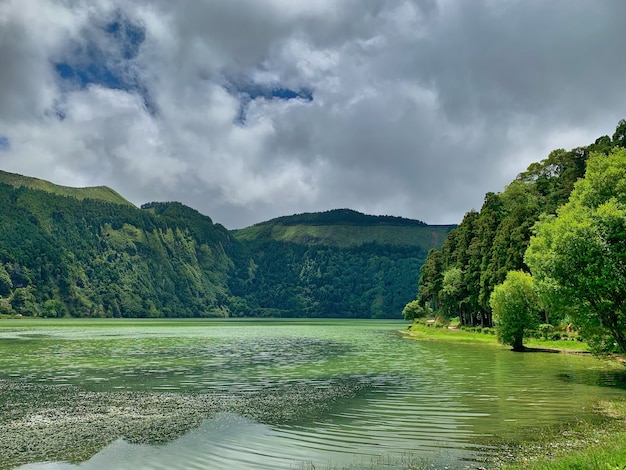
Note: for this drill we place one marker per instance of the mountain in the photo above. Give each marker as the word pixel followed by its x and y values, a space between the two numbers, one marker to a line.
pixel 339 263
pixel 88 252
pixel 97 193
pixel 86 257
pixel 347 228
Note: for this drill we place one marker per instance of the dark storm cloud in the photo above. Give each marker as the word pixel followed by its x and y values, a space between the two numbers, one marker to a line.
pixel 248 110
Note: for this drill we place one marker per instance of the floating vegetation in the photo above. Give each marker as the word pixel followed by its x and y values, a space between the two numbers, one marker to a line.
pixel 44 423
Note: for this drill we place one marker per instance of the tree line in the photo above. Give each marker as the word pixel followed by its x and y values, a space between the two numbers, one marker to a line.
pixel 549 249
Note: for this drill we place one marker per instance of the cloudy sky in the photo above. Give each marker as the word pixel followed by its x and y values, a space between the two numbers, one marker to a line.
pixel 251 109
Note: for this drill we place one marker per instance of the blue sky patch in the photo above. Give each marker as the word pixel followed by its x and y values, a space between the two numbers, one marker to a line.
pixel 111 67
pixel 5 145
pixel 252 91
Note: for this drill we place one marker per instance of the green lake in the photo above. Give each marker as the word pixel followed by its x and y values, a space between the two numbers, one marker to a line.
pixel 184 394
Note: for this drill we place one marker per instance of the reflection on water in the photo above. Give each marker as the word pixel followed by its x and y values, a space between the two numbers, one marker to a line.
pixel 216 444
pixel 290 394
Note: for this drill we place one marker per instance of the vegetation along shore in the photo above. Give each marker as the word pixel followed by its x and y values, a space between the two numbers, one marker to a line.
pixel 599 443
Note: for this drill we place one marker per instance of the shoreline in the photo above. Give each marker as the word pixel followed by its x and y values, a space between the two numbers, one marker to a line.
pixel 596 444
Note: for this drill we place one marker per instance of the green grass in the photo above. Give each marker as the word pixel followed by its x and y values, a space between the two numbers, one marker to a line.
pixel 347 235
pixel 558 344
pixel 432 333
pixel 583 446
pixel 424 332
pixel 100 193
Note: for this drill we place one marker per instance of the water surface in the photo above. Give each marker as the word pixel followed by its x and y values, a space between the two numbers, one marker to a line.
pixel 274 394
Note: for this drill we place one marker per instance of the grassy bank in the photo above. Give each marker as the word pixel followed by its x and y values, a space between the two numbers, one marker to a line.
pixel 584 445
pixel 486 336
pixel 600 444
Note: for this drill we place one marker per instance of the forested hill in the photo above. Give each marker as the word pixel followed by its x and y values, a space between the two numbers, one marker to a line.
pixel 337 263
pixel 458 279
pixel 98 193
pixel 88 252
pixel 347 228
pixel 63 255
pixel 343 217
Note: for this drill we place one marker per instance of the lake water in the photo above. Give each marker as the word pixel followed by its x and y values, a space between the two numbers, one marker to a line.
pixel 272 394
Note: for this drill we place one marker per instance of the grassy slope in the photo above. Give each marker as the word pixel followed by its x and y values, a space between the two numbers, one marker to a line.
pixel 348 235
pixel 100 193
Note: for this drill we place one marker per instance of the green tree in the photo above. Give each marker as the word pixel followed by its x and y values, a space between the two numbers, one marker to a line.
pixel 23 301
pixel 431 279
pixel 579 256
pixel 54 309
pixel 415 309
pixel 451 293
pixel 515 305
pixel 5 282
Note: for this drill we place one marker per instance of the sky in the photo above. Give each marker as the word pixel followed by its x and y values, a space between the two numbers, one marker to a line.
pixel 248 110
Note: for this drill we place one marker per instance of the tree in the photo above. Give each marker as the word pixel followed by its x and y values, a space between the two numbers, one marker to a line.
pixel 23 301
pixel 451 293
pixel 579 256
pixel 431 279
pixel 515 305
pixel 414 310
pixel 5 282
pixel 54 309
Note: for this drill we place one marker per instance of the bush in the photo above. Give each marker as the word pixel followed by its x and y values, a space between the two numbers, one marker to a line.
pixel 545 329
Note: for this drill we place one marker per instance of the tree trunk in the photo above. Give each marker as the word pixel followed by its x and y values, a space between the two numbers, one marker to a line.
pixel 518 345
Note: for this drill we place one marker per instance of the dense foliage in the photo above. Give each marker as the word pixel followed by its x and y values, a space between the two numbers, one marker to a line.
pixel 78 253
pixel 344 217
pixel 458 280
pixel 91 258
pixel 366 281
pixel 515 305
pixel 579 256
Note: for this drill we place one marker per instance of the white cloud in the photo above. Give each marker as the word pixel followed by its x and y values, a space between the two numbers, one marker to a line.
pixel 419 107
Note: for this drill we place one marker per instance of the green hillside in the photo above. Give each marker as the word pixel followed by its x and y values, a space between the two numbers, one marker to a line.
pixel 87 252
pixel 97 193
pixel 88 258
pixel 338 263
pixel 346 228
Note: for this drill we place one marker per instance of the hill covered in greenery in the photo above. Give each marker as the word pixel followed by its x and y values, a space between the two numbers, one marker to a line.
pixel 346 228
pixel 84 257
pixel 88 252
pixel 337 263
pixel 458 280
pixel 97 193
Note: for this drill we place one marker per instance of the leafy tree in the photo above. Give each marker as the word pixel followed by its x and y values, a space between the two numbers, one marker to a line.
pixel 515 305
pixel 415 309
pixel 54 309
pixel 579 256
pixel 5 282
pixel 451 292
pixel 23 301
pixel 431 280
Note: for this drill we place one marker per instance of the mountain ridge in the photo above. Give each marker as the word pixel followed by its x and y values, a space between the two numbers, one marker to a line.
pixel 100 193
pixel 87 252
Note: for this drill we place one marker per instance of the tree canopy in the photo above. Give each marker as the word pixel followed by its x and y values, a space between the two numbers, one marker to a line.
pixel 489 243
pixel 516 307
pixel 579 255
